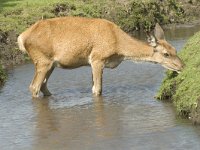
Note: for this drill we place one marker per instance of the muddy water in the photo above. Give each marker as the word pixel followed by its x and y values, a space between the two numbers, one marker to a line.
pixel 126 117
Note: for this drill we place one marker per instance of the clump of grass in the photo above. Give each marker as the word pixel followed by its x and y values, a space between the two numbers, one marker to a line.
pixel 184 88
pixel 3 75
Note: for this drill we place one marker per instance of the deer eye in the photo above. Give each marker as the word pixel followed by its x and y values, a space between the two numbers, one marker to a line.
pixel 166 54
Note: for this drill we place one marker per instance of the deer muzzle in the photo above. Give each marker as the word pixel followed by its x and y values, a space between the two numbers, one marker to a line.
pixel 174 64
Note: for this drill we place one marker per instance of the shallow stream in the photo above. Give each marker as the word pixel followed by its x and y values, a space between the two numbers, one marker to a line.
pixel 126 117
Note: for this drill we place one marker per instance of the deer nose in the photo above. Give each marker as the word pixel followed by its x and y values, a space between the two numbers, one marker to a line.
pixel 180 65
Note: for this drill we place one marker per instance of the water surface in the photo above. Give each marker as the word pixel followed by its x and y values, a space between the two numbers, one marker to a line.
pixel 126 117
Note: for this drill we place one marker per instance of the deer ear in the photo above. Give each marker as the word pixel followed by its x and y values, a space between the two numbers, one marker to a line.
pixel 151 40
pixel 158 32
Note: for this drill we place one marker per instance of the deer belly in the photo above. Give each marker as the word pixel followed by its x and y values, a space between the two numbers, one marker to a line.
pixel 71 58
pixel 113 62
pixel 70 63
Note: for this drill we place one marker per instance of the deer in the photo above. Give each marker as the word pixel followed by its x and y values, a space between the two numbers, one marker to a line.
pixel 72 42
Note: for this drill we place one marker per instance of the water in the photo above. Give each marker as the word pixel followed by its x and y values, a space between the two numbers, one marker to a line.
pixel 126 117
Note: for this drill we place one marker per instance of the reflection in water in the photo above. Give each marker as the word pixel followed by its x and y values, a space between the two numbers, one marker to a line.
pixel 104 125
pixel 61 128
pixel 99 112
pixel 45 117
pixel 126 117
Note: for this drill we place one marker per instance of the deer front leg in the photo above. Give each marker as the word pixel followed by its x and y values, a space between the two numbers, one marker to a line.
pixel 97 71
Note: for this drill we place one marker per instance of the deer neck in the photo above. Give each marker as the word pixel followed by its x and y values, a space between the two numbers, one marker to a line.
pixel 135 50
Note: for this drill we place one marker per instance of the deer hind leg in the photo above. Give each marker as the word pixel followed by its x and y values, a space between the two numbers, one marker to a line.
pixel 44 88
pixel 42 73
pixel 97 72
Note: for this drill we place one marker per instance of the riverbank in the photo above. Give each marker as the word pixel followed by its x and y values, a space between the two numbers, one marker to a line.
pixel 134 15
pixel 183 89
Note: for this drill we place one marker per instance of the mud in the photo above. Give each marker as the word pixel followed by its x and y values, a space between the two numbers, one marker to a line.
pixel 9 54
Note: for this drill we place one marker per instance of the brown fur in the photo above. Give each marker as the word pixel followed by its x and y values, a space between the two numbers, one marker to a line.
pixel 71 42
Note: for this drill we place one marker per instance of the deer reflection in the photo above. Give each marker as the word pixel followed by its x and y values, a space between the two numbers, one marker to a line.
pixel 99 111
pixel 106 118
pixel 46 119
pixel 58 127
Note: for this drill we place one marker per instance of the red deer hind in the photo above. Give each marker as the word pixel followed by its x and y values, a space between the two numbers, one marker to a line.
pixel 72 42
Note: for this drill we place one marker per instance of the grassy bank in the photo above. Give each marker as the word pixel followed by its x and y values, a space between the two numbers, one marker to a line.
pixel 184 89
pixel 130 15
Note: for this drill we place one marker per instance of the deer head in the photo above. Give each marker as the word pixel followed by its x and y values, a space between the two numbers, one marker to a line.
pixel 164 53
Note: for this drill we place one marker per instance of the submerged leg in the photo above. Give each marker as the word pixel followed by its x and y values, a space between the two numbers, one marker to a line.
pixel 44 88
pixel 41 71
pixel 97 71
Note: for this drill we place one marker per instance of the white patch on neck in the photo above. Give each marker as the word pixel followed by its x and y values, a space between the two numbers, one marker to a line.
pixel 90 59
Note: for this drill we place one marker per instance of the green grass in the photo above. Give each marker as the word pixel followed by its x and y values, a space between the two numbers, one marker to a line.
pixel 19 14
pixel 184 88
pixel 131 15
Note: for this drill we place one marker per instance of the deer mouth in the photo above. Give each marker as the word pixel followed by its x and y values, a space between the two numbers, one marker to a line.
pixel 178 70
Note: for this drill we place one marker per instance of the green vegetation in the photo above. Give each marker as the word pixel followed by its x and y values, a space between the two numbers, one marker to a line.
pixel 130 15
pixel 184 89
pixel 3 76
